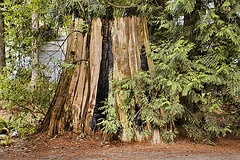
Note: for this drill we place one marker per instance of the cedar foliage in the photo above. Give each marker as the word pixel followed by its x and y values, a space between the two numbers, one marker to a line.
pixel 195 76
pixel 202 56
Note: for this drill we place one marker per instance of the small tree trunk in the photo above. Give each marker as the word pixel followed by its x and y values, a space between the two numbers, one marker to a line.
pixel 2 44
pixel 35 52
pixel 35 59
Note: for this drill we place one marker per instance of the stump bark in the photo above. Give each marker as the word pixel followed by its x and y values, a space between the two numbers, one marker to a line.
pixel 112 45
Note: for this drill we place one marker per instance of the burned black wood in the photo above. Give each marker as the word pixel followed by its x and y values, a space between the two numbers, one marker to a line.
pixel 103 82
pixel 143 57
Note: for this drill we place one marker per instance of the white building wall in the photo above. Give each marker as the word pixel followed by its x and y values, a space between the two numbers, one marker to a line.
pixel 52 55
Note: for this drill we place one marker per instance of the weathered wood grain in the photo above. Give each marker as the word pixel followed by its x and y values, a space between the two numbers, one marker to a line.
pixel 75 99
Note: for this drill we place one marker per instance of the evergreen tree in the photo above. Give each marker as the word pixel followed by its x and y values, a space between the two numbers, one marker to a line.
pixel 197 63
pixel 196 73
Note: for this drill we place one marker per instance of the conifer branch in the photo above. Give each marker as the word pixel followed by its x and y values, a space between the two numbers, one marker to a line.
pixel 116 6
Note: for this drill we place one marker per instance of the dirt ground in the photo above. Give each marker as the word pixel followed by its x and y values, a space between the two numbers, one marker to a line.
pixel 72 146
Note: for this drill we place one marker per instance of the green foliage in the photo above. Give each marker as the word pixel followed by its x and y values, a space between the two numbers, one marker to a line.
pixel 196 64
pixel 196 72
pixel 6 140
pixel 141 104
pixel 27 105
pixel 111 125
pixel 3 124
pixel 112 8
pixel 19 34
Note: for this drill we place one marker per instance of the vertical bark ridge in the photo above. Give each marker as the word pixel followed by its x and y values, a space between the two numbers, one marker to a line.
pixel 103 83
pixel 130 36
pixel 115 46
pixel 95 63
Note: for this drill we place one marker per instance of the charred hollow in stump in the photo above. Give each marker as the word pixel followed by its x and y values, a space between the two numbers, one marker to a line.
pixel 103 82
pixel 119 46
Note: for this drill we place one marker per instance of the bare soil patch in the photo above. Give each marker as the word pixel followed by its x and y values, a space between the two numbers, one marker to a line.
pixel 71 146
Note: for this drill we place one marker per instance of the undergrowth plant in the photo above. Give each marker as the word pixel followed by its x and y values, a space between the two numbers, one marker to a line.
pixel 144 109
pixel 111 125
pixel 25 105
pixel 196 77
